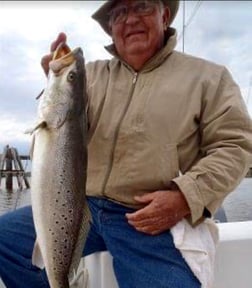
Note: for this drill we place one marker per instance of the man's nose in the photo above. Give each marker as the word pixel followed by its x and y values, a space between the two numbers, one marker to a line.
pixel 131 17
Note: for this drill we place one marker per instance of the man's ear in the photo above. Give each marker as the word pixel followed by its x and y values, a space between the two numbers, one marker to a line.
pixel 166 17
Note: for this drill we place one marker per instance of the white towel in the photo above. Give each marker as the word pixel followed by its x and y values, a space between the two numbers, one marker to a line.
pixel 198 247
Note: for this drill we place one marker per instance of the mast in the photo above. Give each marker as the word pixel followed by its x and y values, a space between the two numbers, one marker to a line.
pixel 184 27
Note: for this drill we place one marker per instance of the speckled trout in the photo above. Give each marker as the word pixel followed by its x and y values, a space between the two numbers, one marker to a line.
pixel 59 164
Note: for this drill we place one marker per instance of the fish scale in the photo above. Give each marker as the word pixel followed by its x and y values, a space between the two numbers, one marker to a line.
pixel 59 165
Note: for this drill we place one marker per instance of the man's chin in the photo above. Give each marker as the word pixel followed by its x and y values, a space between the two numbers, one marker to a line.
pixel 137 47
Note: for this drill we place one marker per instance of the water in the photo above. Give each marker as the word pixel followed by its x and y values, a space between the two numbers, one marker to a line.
pixel 11 200
pixel 237 206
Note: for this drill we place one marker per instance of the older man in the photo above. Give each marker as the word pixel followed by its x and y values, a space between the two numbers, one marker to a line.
pixel 169 138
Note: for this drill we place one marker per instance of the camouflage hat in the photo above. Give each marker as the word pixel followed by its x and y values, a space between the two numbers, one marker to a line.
pixel 102 14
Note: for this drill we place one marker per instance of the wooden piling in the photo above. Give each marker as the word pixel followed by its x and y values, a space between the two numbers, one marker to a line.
pixel 10 159
pixel 4 156
pixel 8 179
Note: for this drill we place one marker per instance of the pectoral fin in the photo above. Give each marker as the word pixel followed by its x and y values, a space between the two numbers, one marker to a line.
pixel 37 259
pixel 41 124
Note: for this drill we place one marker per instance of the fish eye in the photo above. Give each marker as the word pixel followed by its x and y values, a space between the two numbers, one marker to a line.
pixel 71 76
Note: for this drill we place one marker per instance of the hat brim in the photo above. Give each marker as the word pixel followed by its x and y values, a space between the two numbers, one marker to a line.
pixel 102 14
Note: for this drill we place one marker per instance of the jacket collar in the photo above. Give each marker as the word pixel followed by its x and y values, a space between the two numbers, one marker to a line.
pixel 157 59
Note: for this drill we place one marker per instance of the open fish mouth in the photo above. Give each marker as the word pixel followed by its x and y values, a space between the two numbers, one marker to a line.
pixel 62 50
pixel 63 56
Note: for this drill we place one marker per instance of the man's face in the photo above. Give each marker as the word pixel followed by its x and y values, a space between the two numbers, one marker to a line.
pixel 137 27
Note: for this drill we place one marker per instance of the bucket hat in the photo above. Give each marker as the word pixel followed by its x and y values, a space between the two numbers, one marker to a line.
pixel 102 14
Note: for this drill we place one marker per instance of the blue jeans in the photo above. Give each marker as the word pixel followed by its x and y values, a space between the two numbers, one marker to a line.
pixel 139 260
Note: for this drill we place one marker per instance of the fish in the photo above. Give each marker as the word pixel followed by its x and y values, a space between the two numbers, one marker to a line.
pixel 59 168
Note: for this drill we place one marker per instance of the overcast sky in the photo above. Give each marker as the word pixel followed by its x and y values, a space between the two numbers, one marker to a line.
pixel 220 31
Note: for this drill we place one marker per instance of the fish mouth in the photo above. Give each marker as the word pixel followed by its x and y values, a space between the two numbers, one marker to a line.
pixel 63 56
pixel 61 51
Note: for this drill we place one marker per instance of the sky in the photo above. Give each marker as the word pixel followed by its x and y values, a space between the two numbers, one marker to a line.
pixel 219 31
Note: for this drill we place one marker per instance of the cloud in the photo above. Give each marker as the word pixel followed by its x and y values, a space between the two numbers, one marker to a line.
pixel 219 31
pixel 15 131
pixel 27 29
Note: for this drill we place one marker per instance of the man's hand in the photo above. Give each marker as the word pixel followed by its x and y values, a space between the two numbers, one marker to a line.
pixel 47 58
pixel 162 211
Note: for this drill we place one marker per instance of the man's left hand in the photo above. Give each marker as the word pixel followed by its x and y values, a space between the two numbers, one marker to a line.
pixel 162 211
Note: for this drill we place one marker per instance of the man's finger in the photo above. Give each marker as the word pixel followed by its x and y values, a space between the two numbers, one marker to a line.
pixel 60 39
pixel 140 214
pixel 45 63
pixel 145 198
pixel 144 222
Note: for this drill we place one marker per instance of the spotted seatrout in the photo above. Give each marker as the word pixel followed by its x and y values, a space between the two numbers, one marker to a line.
pixel 59 164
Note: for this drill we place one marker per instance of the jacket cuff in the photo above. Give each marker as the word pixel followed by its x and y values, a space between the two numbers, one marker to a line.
pixel 192 195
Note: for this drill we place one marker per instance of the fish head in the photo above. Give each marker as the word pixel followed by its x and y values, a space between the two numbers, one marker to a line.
pixel 64 97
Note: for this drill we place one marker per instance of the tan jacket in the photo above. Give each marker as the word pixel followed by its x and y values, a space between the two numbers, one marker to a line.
pixel 180 118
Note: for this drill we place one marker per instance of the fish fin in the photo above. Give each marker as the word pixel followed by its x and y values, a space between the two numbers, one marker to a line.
pixel 40 94
pixel 37 259
pixel 41 124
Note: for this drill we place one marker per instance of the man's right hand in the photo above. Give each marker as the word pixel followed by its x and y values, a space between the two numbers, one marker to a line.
pixel 47 58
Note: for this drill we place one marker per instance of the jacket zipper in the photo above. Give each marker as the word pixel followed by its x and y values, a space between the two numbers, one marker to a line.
pixel 135 75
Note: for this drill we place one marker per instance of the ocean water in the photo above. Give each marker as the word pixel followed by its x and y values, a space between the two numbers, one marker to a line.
pixel 237 205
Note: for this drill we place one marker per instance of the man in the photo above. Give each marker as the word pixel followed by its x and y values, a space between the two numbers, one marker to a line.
pixel 169 138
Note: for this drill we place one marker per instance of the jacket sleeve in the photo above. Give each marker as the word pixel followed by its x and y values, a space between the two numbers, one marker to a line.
pixel 225 148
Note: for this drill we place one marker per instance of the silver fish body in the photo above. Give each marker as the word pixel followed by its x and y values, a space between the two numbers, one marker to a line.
pixel 59 164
